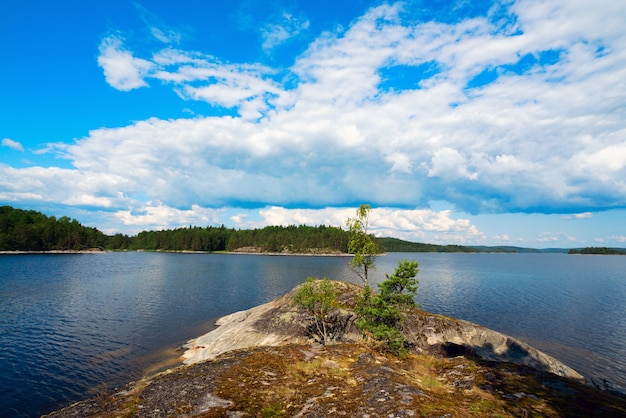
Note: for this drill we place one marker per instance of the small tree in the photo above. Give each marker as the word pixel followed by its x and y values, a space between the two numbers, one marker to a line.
pixel 318 298
pixel 381 314
pixel 361 244
pixel 400 288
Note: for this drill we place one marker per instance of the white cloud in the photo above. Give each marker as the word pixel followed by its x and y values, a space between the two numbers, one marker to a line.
pixel 9 143
pixel 88 200
pixel 605 162
pixel 121 70
pixel 548 138
pixel 195 76
pixel 156 216
pixel 329 216
pixel 400 162
pixel 618 238
pixel 506 138
pixel 410 224
pixel 448 162
pixel 556 237
pixel 276 33
pixel 239 221
pixel 165 36
pixel 584 215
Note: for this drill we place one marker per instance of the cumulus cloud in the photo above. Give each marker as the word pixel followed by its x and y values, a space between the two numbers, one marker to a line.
pixel 156 215
pixel 412 224
pixel 520 113
pixel 9 143
pixel 328 216
pixel 400 162
pixel 448 162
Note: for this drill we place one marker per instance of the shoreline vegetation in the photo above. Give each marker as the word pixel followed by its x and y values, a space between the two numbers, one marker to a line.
pixel 32 232
pixel 87 251
pixel 312 252
pixel 246 252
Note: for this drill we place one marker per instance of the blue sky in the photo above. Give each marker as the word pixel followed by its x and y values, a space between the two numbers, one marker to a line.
pixel 477 123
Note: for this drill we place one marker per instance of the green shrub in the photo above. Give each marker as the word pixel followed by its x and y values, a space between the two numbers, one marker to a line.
pixel 318 297
pixel 380 314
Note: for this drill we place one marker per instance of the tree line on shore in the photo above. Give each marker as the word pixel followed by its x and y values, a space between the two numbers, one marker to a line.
pixel 29 230
pixel 401 246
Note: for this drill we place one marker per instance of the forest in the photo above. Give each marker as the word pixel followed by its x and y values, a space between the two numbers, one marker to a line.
pixel 291 239
pixel 274 239
pixel 27 230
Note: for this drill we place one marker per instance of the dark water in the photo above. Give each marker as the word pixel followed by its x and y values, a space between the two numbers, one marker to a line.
pixel 71 325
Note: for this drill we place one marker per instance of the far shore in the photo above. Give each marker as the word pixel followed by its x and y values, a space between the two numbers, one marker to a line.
pixel 88 251
pixel 101 251
pixel 291 254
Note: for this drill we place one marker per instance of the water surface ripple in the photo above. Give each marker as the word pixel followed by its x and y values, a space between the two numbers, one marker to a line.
pixel 71 325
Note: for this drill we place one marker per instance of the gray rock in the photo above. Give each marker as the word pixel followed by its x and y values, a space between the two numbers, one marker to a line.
pixel 281 322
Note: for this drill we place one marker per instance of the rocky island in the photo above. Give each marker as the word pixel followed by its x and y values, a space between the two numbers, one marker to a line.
pixel 266 362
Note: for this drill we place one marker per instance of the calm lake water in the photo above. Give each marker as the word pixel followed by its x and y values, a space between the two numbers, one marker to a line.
pixel 72 325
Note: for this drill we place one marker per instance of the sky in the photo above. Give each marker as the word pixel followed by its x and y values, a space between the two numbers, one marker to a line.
pixel 467 122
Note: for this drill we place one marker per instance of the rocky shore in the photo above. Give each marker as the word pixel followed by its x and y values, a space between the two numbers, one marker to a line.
pixel 261 362
pixel 279 323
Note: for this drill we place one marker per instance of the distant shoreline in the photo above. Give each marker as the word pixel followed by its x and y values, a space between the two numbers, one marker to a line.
pixel 99 251
pixel 290 254
pixel 89 251
pixel 246 252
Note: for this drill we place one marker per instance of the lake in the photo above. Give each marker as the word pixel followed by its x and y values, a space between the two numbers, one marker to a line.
pixel 73 325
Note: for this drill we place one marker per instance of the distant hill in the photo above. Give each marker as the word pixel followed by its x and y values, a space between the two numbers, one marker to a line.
pixel 395 245
pixel 512 249
pixel 505 249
